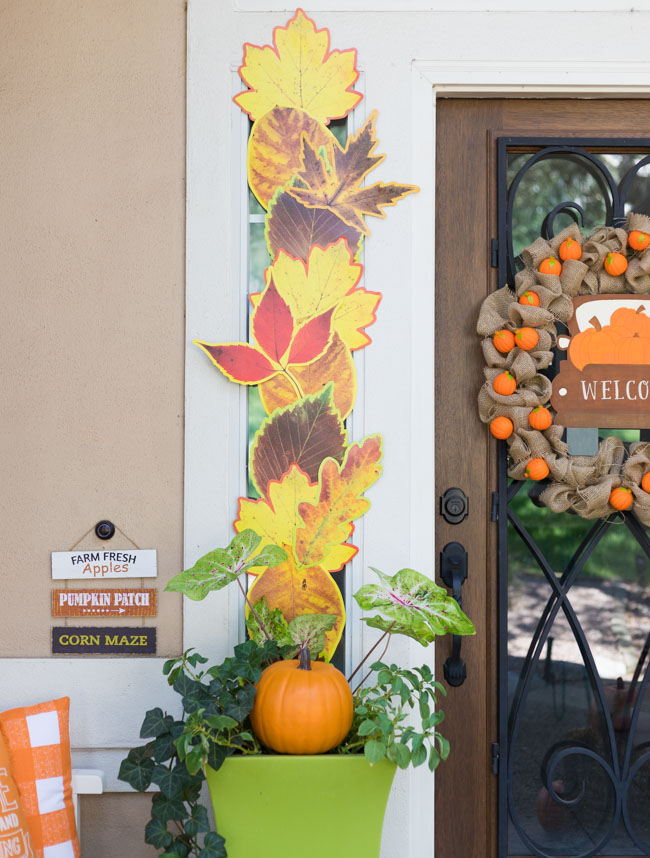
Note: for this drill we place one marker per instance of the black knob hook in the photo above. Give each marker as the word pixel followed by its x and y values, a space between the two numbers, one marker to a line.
pixel 104 529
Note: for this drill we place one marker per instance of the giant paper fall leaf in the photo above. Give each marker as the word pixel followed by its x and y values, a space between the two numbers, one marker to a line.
pixel 279 343
pixel 328 522
pixel 299 71
pixel 275 518
pixel 295 228
pixel 337 187
pixel 335 365
pixel 302 590
pixel 274 148
pixel 305 433
pixel 327 280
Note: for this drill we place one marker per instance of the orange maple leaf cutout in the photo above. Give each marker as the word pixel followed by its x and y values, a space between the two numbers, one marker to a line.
pixel 299 71
pixel 337 187
pixel 279 342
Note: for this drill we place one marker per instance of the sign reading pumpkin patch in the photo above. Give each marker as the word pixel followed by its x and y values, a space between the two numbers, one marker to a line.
pixel 605 381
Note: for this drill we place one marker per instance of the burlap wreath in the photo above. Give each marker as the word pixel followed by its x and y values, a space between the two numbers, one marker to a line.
pixel 581 484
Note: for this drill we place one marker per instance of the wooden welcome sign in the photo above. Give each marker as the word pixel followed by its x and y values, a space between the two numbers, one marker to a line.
pixel 605 381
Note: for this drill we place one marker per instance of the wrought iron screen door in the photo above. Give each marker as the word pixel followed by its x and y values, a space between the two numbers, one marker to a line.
pixel 566 609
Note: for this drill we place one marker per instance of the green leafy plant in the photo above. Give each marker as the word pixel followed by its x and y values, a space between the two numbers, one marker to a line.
pixel 217 701
pixel 381 712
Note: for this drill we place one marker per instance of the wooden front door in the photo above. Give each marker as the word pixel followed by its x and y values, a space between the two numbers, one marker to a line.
pixel 489 805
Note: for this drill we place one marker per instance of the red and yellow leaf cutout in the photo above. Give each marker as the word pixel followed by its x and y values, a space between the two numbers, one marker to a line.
pixel 328 522
pixel 334 364
pixel 240 362
pixel 339 189
pixel 276 518
pixel 299 71
pixel 296 591
pixel 329 278
pixel 304 433
pixel 279 342
pixel 272 324
pixel 274 148
pixel 311 340
pixel 294 228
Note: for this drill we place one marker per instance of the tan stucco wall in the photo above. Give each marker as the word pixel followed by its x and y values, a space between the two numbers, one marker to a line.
pixel 92 147
pixel 92 179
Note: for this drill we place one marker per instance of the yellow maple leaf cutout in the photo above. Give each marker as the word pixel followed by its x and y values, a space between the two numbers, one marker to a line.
pixel 299 71
pixel 328 522
pixel 277 518
pixel 298 590
pixel 328 278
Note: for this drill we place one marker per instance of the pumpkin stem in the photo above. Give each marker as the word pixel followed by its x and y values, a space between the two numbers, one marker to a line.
pixel 304 659
pixel 595 323
pixel 640 309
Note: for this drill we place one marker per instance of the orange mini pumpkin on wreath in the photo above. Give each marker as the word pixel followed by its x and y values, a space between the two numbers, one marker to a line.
pixel 537 469
pixel 529 299
pixel 540 418
pixel 504 341
pixel 505 383
pixel 615 264
pixel 526 338
pixel 621 498
pixel 569 249
pixel 550 265
pixel 638 240
pixel 502 427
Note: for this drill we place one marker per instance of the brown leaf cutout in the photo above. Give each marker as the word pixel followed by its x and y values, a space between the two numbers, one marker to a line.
pixel 304 434
pixel 294 228
pixel 338 188
pixel 274 148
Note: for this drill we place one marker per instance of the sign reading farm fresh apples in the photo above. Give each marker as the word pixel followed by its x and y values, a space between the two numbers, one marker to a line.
pixel 93 565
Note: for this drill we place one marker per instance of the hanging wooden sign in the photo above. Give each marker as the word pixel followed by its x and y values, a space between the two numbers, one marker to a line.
pixel 104 603
pixel 93 565
pixel 106 640
pixel 605 381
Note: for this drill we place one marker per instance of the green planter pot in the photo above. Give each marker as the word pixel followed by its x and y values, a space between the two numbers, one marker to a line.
pixel 327 806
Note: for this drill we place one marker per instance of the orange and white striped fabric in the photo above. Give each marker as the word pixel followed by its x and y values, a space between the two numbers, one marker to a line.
pixel 38 741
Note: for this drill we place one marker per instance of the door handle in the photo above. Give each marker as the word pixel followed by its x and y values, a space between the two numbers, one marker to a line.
pixel 453 571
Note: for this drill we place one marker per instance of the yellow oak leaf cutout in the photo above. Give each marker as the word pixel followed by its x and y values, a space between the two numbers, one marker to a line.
pixel 328 279
pixel 274 148
pixel 301 590
pixel 299 71
pixel 275 519
pixel 328 522
pixel 337 186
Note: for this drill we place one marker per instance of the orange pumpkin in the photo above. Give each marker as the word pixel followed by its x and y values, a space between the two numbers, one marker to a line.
pixel 526 338
pixel 615 264
pixel 504 383
pixel 569 249
pixel 634 350
pixel 638 240
pixel 302 706
pixel 596 344
pixel 621 498
pixel 645 482
pixel 550 265
pixel 529 299
pixel 540 418
pixel 503 341
pixel 537 469
pixel 502 427
pixel 635 321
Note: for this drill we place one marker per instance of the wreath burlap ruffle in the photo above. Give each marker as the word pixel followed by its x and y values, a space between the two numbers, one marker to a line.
pixel 581 484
